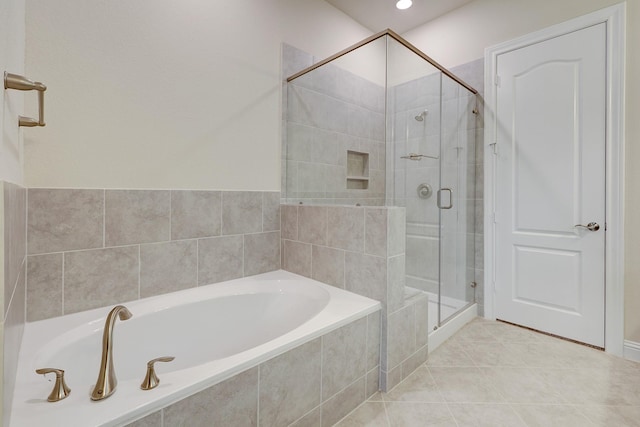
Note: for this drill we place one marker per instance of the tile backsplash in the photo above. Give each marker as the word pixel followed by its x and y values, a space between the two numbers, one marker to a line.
pixel 90 248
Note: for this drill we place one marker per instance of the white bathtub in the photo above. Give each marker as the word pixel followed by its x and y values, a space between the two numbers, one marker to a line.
pixel 213 331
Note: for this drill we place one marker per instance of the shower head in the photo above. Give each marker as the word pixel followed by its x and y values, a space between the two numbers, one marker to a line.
pixel 420 117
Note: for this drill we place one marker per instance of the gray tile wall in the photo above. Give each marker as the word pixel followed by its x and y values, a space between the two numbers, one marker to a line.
pixel 314 384
pixel 361 249
pixel 327 113
pixel 92 248
pixel 13 218
pixel 348 247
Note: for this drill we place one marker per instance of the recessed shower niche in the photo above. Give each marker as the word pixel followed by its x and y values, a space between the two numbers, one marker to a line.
pixel 357 170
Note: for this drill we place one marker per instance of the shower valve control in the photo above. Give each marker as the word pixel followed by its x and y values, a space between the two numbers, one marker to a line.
pixel 424 191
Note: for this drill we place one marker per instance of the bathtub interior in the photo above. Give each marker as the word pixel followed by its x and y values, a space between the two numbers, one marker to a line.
pixel 263 317
pixel 210 335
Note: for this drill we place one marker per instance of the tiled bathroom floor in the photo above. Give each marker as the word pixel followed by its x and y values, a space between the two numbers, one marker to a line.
pixel 495 374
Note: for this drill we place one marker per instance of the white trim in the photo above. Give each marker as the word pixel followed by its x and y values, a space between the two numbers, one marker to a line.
pixel 614 17
pixel 632 350
pixel 448 329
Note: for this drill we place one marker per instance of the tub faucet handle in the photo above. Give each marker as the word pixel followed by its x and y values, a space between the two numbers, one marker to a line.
pixel 60 389
pixel 151 380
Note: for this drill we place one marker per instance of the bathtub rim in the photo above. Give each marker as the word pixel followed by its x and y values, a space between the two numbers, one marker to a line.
pixel 340 310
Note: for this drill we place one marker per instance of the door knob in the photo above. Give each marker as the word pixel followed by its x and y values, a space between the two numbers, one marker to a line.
pixel 592 226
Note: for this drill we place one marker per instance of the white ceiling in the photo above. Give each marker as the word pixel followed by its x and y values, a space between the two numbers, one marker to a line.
pixel 378 15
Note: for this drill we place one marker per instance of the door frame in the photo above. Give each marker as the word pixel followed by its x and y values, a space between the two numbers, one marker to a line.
pixel 614 17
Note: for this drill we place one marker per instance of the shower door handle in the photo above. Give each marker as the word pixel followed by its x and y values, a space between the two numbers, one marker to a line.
pixel 450 205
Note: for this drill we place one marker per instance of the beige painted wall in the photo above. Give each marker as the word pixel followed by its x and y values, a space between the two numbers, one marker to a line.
pixel 167 94
pixel 12 40
pixel 462 35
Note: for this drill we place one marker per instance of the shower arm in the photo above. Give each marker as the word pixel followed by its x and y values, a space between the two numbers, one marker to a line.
pixel 418 157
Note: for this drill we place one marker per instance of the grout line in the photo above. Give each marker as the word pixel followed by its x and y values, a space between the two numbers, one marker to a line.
pixel 321 373
pixel 104 218
pixel 326 219
pixel 386 412
pixel 415 329
pixel 197 262
pixel 317 407
pixel 434 381
pixel 258 398
pixel 63 276
pixel 451 413
pixel 519 416
pixel 364 231
pixel 366 399
pixel 311 259
pixel 221 211
pixel 170 215
pixel 26 250
pixel 243 255
pixel 13 293
pixel 139 268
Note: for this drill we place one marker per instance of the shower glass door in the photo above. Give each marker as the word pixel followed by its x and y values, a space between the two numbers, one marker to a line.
pixel 457 201
pixel 430 165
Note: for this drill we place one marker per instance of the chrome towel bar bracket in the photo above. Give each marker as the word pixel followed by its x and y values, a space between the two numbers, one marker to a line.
pixel 17 82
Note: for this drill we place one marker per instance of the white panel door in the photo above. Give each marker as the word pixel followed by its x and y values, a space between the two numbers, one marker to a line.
pixel 551 177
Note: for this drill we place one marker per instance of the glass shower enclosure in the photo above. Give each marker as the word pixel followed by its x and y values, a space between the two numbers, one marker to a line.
pixel 379 124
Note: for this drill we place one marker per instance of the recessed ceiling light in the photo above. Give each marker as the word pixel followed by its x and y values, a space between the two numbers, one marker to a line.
pixel 404 4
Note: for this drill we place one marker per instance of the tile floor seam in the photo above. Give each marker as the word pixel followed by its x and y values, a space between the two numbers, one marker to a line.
pixel 453 417
pixel 437 387
pixel 386 413
pixel 550 404
pixel 518 415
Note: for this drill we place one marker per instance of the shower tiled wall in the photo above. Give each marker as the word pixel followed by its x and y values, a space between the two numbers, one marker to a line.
pixel 315 384
pixel 361 249
pixel 417 98
pixel 328 113
pixel 91 248
pixel 13 229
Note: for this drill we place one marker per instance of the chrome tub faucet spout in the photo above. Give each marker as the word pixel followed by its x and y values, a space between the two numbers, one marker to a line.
pixel 107 382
